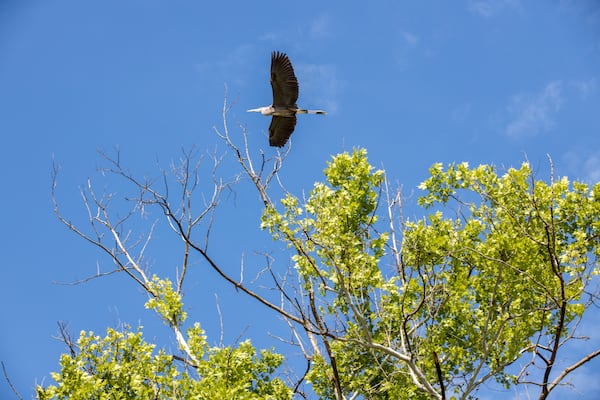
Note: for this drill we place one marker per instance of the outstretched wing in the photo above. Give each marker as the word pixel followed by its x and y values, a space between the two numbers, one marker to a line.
pixel 280 130
pixel 283 81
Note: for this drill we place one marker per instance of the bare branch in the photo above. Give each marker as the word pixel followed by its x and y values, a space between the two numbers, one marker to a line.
pixel 12 387
pixel 220 320
pixel 438 370
pixel 90 278
pixel 65 337
pixel 99 236
pixel 557 381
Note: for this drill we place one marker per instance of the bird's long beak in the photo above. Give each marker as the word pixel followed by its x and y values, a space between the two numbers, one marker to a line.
pixel 254 110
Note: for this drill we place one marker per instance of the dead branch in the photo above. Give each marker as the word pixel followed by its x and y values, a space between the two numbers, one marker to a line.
pixel 12 387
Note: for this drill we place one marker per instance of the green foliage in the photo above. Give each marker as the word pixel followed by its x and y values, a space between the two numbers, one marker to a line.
pixel 122 365
pixel 497 269
pixel 505 271
pixel 337 256
pixel 364 372
pixel 331 232
pixel 166 302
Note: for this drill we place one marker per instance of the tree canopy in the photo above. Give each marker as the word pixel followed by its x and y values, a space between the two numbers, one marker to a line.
pixel 490 284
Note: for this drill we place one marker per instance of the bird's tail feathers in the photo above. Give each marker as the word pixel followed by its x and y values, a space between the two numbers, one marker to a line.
pixel 303 111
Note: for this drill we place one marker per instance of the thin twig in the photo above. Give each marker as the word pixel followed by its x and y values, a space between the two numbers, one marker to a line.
pixel 13 388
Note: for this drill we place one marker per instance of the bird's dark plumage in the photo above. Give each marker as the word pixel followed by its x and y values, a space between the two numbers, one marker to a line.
pixel 281 129
pixel 283 81
pixel 285 94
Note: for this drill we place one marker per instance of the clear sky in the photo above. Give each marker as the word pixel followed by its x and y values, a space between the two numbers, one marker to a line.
pixel 483 81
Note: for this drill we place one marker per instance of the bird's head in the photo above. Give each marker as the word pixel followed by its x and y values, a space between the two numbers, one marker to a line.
pixel 262 110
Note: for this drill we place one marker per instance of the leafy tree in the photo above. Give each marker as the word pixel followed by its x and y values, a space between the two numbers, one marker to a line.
pixel 122 365
pixel 507 275
pixel 501 270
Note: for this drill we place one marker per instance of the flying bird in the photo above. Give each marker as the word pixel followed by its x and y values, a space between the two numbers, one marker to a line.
pixel 285 95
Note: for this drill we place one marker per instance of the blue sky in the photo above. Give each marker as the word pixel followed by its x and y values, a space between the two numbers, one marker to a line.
pixel 413 83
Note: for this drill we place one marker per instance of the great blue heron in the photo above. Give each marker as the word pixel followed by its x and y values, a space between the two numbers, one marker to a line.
pixel 285 94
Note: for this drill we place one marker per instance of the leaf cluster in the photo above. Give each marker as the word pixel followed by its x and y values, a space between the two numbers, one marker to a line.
pixel 123 365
